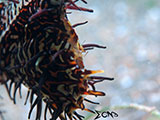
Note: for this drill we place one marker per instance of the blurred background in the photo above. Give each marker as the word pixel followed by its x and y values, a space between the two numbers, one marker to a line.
pixel 131 31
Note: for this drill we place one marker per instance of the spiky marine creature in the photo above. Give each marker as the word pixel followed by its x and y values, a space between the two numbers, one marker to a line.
pixel 48 60
pixel 12 27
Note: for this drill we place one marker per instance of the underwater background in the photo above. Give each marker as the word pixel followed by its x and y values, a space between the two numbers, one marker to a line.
pixel 130 29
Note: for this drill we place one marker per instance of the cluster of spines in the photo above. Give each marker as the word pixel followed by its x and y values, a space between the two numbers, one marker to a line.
pixel 82 84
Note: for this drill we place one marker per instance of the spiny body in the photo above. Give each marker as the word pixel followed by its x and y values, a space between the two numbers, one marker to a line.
pixel 47 58
pixel 9 41
pixel 60 36
pixel 50 37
